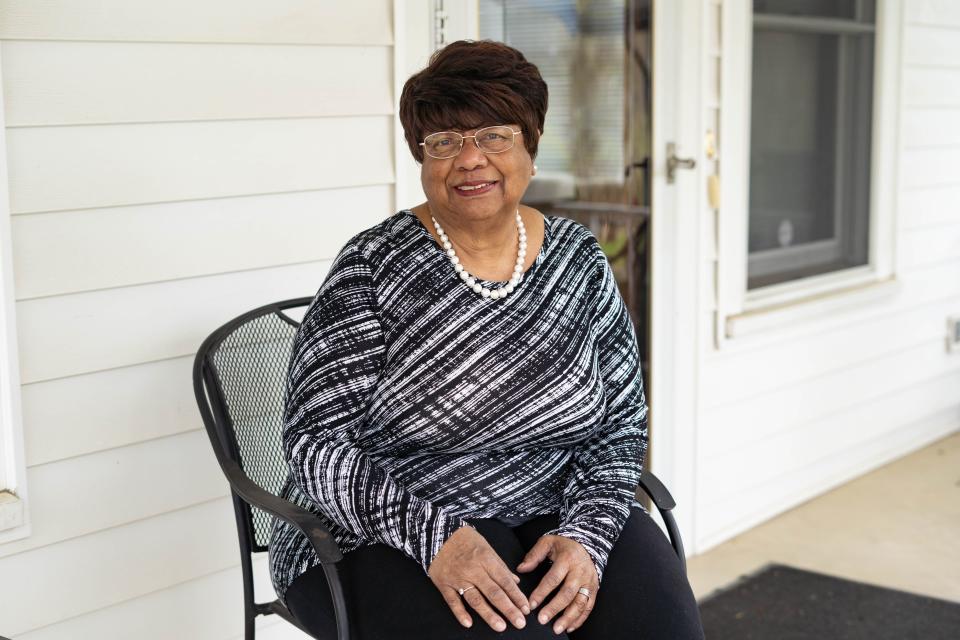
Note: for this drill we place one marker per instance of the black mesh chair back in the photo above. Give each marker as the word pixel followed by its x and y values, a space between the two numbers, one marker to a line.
pixel 249 364
pixel 239 380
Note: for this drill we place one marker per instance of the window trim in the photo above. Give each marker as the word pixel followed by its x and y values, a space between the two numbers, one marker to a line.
pixel 14 516
pixel 742 311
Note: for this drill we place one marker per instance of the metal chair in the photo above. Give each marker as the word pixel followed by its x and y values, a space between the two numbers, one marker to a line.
pixel 239 375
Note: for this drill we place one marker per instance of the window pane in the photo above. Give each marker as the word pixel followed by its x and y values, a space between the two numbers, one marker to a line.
pixel 811 120
pixel 794 121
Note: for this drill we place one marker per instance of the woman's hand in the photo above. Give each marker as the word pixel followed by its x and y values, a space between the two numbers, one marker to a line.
pixel 573 568
pixel 466 559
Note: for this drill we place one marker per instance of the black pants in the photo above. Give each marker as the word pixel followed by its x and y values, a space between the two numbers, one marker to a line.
pixel 644 594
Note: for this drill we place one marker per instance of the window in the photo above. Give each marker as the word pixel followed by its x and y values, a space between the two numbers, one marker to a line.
pixel 811 119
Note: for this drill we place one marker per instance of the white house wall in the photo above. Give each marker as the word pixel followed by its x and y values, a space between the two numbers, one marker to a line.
pixel 791 413
pixel 171 165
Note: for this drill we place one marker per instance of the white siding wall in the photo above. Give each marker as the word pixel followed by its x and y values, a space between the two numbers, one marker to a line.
pixel 171 166
pixel 790 415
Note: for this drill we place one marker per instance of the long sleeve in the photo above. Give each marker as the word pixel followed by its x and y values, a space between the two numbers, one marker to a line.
pixel 605 468
pixel 336 360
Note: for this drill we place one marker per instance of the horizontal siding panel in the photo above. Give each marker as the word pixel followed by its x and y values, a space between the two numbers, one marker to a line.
pixel 277 21
pixel 768 460
pixel 66 83
pixel 932 87
pixel 87 332
pixel 931 127
pixel 739 511
pixel 931 46
pixel 73 251
pixel 933 12
pixel 108 409
pixel 922 247
pixel 135 482
pixel 110 165
pixel 789 361
pixel 60 581
pixel 930 167
pixel 206 608
pixel 772 414
pixel 933 206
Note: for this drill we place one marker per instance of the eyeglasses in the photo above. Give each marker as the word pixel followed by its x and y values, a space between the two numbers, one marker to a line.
pixel 447 144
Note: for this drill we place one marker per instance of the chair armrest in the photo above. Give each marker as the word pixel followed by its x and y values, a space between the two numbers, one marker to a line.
pixel 652 486
pixel 307 523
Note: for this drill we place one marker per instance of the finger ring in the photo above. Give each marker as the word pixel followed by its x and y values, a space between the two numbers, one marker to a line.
pixel 583 590
pixel 462 591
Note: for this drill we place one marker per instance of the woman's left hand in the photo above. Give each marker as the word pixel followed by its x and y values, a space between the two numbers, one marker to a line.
pixel 572 568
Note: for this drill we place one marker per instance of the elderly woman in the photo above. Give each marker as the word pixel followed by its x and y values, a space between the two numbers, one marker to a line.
pixel 465 410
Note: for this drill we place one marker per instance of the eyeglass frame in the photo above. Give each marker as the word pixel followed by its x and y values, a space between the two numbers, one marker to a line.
pixel 513 141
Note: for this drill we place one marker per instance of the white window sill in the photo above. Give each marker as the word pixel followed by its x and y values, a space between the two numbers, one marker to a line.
pixel 813 307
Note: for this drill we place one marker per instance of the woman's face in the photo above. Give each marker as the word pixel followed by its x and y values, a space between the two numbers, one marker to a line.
pixel 505 177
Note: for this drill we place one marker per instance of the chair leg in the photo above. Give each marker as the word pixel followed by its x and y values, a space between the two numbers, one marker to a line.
pixel 249 627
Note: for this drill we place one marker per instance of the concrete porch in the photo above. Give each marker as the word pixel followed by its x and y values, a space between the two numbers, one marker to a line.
pixel 897 526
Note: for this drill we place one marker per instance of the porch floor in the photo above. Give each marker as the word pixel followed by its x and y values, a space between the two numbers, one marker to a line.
pixel 897 526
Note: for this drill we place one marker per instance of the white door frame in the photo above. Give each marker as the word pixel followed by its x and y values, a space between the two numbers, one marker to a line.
pixel 676 256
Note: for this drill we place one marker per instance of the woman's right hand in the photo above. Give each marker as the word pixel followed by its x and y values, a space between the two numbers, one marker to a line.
pixel 467 559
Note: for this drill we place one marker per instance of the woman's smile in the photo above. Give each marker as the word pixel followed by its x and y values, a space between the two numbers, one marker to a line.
pixel 475 188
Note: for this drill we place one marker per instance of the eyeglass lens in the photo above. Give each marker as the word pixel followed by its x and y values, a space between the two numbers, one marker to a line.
pixel 447 144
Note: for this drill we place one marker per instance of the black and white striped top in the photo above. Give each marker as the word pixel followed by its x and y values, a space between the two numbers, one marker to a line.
pixel 413 403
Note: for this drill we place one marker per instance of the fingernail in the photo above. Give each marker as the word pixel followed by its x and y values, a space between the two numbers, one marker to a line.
pixel 543 618
pixel 533 604
pixel 525 609
pixel 500 625
pixel 558 630
pixel 520 622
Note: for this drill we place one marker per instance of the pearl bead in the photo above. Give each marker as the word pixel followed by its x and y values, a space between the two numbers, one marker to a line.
pixel 477 288
pixel 472 283
pixel 509 288
pixel 484 292
pixel 458 267
pixel 495 294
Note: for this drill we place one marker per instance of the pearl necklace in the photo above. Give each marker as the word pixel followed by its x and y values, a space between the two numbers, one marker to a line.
pixel 502 292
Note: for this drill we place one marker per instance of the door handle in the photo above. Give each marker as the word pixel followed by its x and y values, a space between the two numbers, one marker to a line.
pixel 673 162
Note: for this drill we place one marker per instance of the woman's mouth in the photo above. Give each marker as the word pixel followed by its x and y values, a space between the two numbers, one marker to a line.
pixel 474 188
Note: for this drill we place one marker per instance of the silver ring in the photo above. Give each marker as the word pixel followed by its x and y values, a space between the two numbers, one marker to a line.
pixel 462 591
pixel 584 591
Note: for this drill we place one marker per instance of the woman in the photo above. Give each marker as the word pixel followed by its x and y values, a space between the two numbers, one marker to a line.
pixel 465 409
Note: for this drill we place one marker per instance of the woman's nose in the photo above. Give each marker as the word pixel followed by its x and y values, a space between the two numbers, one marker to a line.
pixel 470 156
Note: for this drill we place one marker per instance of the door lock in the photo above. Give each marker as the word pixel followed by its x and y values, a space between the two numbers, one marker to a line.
pixel 673 162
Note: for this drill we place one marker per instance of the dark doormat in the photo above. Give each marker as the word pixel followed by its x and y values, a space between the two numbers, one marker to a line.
pixel 778 602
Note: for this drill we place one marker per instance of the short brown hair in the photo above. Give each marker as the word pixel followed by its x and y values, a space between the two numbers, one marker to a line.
pixel 470 84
